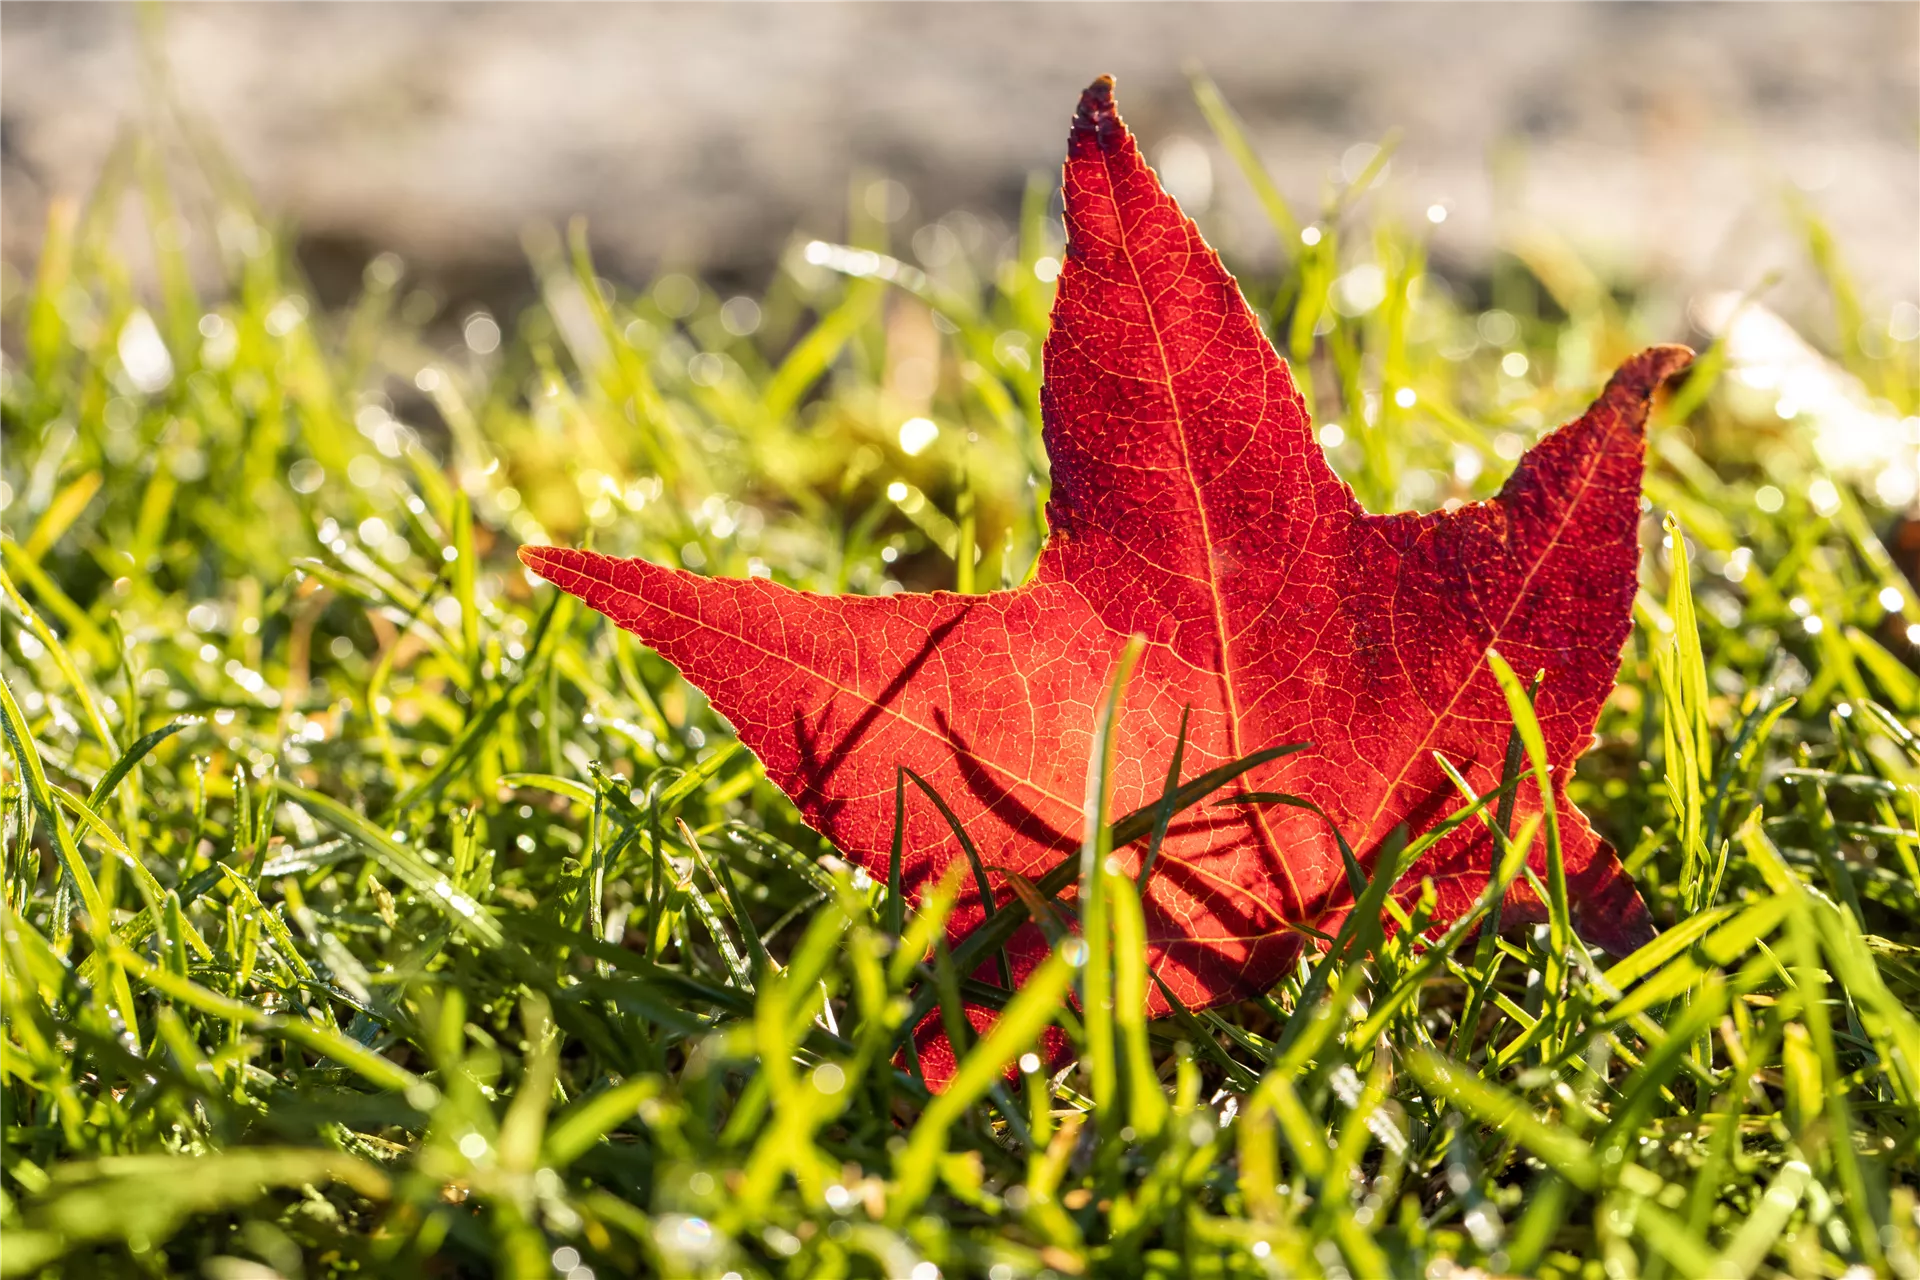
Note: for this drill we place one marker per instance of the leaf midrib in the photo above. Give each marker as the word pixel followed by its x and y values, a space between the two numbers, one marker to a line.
pixel 1225 675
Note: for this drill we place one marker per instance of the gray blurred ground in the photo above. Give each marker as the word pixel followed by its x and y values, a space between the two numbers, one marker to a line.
pixel 1658 138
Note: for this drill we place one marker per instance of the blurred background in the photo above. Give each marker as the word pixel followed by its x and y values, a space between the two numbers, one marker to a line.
pixel 1668 142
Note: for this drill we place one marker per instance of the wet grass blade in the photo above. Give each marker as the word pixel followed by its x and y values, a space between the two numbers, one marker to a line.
pixel 133 756
pixel 434 888
pixel 1163 816
pixel 982 885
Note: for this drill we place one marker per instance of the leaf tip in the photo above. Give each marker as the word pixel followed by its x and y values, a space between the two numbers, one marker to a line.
pixel 1096 106
pixel 1642 375
pixel 545 560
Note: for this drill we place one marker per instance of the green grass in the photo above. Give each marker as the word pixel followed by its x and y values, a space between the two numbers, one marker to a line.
pixel 371 910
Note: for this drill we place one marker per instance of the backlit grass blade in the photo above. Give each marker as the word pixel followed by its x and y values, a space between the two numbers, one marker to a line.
pixel 376 1069
pixel 434 888
pixel 1163 817
pixel 1559 910
pixel 1096 976
pixel 980 943
pixel 143 1198
pixel 100 918
pixel 133 756
pixel 1146 1103
pixel 1017 1028
pixel 1141 821
pixel 96 719
pixel 982 885
pixel 896 917
pixel 722 876
pixel 1558 1148
pixel 1227 128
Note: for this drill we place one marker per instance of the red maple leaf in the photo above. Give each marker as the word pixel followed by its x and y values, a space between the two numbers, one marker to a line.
pixel 1192 506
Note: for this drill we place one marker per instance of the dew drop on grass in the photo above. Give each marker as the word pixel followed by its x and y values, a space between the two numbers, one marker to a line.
pixel 740 316
pixel 306 475
pixel 915 435
pixel 1496 328
pixel 482 333
pixel 1360 290
pixel 143 355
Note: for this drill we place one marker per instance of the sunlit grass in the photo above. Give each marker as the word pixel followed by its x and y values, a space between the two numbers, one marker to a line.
pixel 371 909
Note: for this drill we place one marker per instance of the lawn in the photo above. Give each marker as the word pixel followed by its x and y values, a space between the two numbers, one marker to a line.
pixel 371 909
